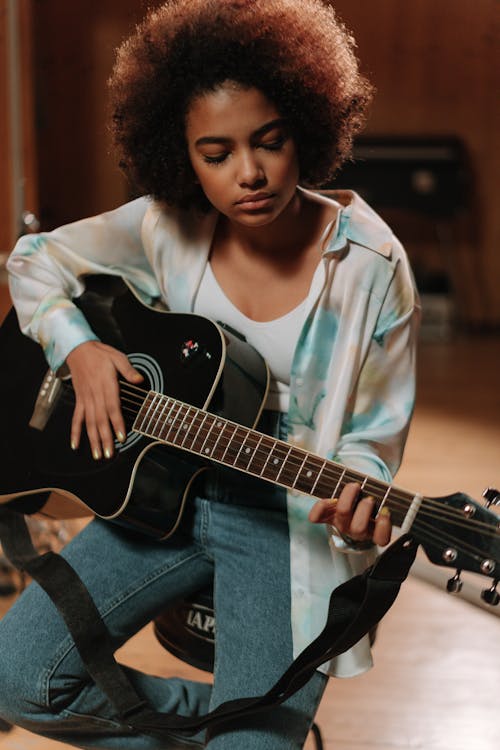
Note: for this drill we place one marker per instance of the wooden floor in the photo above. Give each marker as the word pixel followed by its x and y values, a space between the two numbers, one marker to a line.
pixel 437 659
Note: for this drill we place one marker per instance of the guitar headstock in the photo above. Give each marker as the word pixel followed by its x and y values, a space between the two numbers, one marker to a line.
pixel 459 533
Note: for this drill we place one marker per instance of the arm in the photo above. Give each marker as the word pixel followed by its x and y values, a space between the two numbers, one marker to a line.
pixel 376 427
pixel 46 272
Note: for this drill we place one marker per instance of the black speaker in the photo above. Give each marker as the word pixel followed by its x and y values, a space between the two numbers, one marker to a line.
pixel 428 176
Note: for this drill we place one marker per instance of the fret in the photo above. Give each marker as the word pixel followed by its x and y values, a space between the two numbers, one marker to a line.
pixel 230 440
pixel 284 462
pixel 308 474
pixel 334 493
pixel 384 499
pixel 157 398
pixel 255 455
pixel 167 421
pixel 205 450
pixel 177 406
pixel 183 427
pixel 234 462
pixel 192 419
pixel 246 452
pixel 298 473
pixel 219 443
pixel 402 505
pixel 202 423
pixel 273 463
pixel 318 477
pixel 160 422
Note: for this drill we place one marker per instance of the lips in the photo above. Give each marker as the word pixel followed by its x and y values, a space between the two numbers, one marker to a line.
pixel 255 200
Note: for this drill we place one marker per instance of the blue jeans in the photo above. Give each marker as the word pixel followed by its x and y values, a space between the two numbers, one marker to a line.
pixel 234 533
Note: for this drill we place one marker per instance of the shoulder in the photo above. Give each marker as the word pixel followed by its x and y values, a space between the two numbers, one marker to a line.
pixel 358 224
pixel 161 217
pixel 371 259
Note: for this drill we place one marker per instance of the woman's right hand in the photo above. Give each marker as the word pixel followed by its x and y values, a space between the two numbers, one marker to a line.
pixel 95 368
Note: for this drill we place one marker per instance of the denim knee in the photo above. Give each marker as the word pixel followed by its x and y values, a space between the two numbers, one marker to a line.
pixel 19 683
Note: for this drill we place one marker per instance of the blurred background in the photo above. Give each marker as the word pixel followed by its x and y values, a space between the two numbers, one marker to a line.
pixel 429 162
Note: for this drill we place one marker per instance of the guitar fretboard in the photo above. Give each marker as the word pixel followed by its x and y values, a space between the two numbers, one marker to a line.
pixel 217 439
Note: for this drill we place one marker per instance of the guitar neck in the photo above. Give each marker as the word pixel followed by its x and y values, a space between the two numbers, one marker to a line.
pixel 183 426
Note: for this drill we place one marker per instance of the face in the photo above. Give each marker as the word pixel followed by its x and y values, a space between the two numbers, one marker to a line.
pixel 242 154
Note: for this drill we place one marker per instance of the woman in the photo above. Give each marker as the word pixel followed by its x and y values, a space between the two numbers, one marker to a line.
pixel 226 113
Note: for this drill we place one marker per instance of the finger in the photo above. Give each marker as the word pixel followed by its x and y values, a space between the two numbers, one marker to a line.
pixel 345 506
pixel 92 430
pixel 323 511
pixel 76 426
pixel 362 519
pixel 122 364
pixel 115 417
pixel 383 528
pixel 105 436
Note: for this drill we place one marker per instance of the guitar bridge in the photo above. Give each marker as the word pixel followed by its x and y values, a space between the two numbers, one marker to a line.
pixel 46 400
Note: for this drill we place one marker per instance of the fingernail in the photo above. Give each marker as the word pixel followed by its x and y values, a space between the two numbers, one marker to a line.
pixel 120 436
pixel 73 445
pixel 96 453
pixel 107 452
pixel 384 512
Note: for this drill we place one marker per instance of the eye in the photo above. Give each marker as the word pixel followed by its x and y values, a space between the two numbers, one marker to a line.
pixel 275 145
pixel 219 159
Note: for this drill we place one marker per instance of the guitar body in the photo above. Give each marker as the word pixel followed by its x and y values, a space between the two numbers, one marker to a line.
pixel 146 483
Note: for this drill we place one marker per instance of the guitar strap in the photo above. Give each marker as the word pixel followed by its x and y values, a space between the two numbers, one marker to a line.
pixel 355 607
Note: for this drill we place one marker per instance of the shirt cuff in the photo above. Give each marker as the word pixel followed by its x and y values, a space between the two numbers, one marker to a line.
pixel 62 328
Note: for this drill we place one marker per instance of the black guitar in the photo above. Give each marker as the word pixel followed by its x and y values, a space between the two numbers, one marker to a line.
pixel 203 392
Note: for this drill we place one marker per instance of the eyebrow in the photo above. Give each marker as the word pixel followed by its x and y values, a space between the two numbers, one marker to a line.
pixel 280 122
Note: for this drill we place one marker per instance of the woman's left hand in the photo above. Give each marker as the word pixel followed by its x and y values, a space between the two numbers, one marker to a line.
pixel 353 518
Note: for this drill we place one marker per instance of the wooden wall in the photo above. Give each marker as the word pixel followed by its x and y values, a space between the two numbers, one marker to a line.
pixel 433 62
pixel 436 66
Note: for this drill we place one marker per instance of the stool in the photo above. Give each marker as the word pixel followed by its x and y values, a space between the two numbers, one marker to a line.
pixel 187 630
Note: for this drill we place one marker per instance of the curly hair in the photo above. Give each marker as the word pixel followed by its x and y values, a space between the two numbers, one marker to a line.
pixel 295 51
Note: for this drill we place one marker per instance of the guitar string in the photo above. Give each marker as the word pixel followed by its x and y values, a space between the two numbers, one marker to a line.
pixel 230 452
pixel 458 520
pixel 431 533
pixel 443 512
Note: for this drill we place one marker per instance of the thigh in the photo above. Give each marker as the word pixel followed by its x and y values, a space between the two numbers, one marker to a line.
pixel 253 630
pixel 130 578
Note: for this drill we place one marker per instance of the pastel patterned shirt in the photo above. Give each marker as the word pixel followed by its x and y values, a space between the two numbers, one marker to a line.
pixel 352 384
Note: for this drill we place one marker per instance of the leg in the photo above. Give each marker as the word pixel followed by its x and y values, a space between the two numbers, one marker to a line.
pixel 44 686
pixel 254 641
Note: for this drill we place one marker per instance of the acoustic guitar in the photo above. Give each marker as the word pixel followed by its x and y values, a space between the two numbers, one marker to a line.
pixel 203 391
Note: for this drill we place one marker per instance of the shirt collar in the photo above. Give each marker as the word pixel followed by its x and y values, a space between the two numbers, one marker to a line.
pixel 356 222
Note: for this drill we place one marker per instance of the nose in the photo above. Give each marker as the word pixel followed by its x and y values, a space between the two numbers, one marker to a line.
pixel 251 173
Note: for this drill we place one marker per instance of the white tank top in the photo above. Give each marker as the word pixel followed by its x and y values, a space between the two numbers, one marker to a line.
pixel 275 339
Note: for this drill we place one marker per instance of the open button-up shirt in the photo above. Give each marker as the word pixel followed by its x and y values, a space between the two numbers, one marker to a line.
pixel 352 382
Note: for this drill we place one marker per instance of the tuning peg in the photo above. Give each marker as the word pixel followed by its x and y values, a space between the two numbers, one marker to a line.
pixel 454 585
pixel 491 595
pixel 492 496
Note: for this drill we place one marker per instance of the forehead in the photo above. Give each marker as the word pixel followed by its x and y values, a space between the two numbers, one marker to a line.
pixel 230 111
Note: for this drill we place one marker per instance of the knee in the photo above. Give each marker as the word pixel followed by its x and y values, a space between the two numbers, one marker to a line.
pixel 20 679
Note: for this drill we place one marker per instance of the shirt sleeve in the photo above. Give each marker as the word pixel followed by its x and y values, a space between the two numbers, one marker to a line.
pixel 376 427
pixel 47 270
